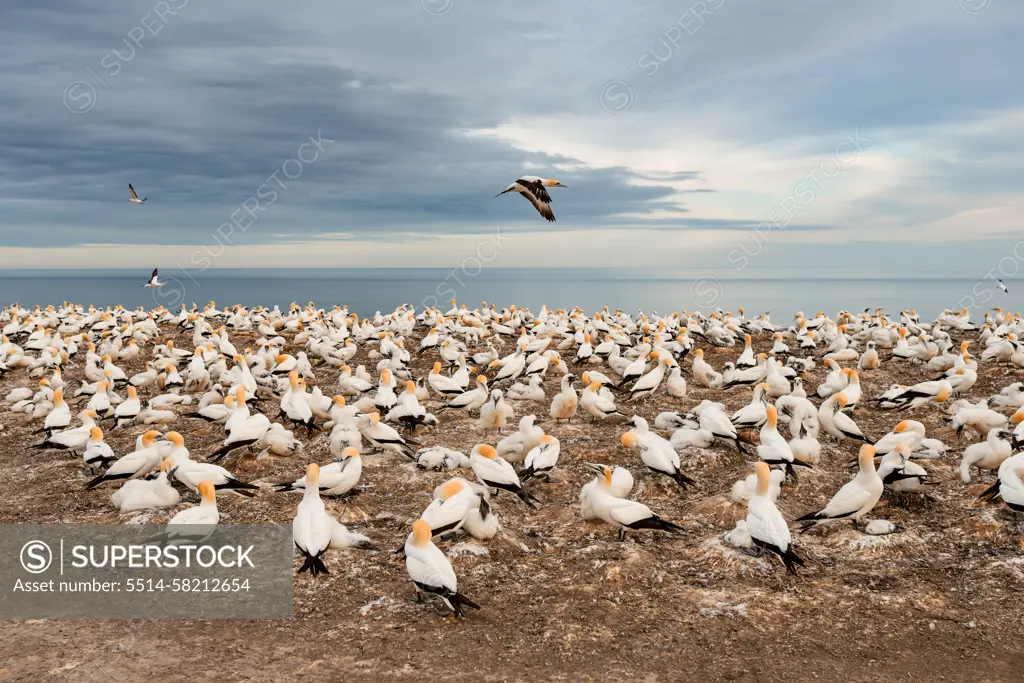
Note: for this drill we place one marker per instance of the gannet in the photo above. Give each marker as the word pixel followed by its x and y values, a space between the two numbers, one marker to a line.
pixel 431 572
pixel 496 473
pixel 146 494
pixel 154 279
pixel 656 452
pixel 533 391
pixel 335 479
pixel 986 455
pixel 195 523
pixel 190 473
pixel 565 402
pixel 312 526
pixel 382 436
pixel 97 453
pixel 136 464
pixel 495 413
pixel 72 439
pixel 439 458
pixel 856 498
pixel 515 446
pixel 837 423
pixel 451 506
pixel 474 398
pixel 774 449
pixel 899 474
pixel 541 459
pixel 597 502
pixel 744 488
pixel 766 525
pixel 534 189
pixel 597 405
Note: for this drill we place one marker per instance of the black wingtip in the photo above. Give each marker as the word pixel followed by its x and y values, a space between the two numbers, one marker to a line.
pixel 93 483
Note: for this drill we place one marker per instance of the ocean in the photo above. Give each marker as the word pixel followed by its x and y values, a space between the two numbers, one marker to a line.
pixel 367 290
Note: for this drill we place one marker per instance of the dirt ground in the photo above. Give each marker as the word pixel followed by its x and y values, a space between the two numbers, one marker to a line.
pixel 942 599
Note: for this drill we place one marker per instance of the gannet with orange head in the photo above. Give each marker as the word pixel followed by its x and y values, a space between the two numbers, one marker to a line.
pixel 312 526
pixel 497 473
pixel 766 525
pixel 431 572
pixel 855 499
pixel 598 502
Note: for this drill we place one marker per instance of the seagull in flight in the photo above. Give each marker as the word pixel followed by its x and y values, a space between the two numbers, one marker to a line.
pixel 1002 286
pixel 154 279
pixel 134 199
pixel 533 188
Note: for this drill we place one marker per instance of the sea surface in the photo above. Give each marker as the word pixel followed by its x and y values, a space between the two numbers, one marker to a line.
pixel 367 290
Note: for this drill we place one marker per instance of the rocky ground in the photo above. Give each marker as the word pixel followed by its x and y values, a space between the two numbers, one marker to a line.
pixel 942 599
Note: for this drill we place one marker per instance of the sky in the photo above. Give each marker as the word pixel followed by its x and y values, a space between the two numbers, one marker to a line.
pixel 740 136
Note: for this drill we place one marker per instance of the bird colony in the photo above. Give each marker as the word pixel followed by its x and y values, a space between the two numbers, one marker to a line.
pixel 440 441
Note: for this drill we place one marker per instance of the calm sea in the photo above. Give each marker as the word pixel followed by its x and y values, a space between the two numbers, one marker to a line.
pixel 382 289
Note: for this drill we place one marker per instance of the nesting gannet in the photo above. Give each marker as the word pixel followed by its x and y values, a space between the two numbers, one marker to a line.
pixel 515 446
pixel 675 385
pixel 312 526
pixel 439 458
pixel 743 489
pixel 766 525
pixel 97 452
pixel 154 279
pixel 383 436
pixel 856 498
pixel 712 418
pixel 534 189
pixel 205 516
pixel 341 537
pixel 622 484
pixel 688 437
pixel 533 391
pixel 597 502
pixel 541 459
pixel 596 404
pixel 496 473
pixel 146 494
pixel 900 474
pixel 431 572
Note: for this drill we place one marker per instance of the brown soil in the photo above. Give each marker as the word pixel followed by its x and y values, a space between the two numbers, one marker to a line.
pixel 563 600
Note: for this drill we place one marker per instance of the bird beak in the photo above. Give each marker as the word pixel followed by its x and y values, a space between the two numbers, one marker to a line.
pixel 594 467
pixel 559 185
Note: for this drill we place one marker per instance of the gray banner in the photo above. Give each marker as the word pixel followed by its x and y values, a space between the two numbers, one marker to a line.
pixel 145 571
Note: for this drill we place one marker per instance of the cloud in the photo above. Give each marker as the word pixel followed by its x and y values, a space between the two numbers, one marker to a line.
pixel 430 115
